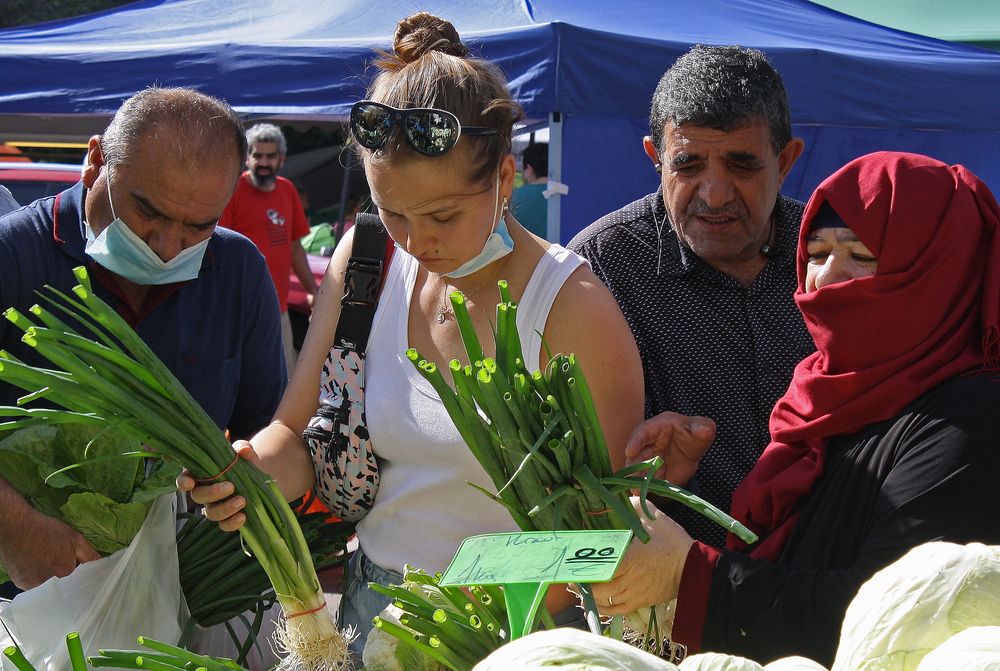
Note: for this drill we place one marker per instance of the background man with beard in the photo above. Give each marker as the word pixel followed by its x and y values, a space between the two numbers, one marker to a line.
pixel 704 271
pixel 266 208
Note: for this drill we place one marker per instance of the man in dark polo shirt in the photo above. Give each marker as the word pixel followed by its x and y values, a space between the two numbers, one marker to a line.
pixel 704 271
pixel 143 221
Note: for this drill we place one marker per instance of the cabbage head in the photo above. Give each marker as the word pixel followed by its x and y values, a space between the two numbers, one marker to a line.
pixel 385 652
pixel 717 661
pixel 570 650
pixel 912 606
pixel 794 664
pixel 975 649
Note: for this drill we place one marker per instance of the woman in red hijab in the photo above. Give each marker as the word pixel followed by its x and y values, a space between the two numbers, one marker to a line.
pixel 888 436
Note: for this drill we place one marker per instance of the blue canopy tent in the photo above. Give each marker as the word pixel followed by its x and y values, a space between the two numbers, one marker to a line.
pixel 585 68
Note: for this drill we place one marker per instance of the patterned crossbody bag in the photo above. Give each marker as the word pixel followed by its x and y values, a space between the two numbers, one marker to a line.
pixel 337 436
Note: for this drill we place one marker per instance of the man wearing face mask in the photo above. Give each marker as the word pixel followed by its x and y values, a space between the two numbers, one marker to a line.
pixel 143 220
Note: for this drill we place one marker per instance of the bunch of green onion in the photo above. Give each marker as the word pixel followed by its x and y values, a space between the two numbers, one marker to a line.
pixel 456 627
pixel 104 374
pixel 537 436
pixel 222 582
pixel 160 657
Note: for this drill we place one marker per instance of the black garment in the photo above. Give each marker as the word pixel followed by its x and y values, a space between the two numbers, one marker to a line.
pixel 928 474
pixel 709 346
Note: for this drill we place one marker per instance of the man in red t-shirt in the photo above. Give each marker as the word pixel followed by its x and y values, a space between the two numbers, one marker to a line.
pixel 266 208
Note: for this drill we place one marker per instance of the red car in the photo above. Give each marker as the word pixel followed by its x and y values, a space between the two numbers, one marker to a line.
pixel 30 181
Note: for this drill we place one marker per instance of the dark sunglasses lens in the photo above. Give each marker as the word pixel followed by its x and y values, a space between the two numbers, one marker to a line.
pixel 370 125
pixel 431 133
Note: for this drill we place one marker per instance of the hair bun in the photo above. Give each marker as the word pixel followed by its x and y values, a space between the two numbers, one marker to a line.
pixel 421 33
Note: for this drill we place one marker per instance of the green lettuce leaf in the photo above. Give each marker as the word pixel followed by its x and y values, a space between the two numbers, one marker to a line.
pixel 105 496
pixel 27 456
pixel 80 443
pixel 161 479
pixel 107 525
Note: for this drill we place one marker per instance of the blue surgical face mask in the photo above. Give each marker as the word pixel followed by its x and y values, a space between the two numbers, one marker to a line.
pixel 124 253
pixel 498 245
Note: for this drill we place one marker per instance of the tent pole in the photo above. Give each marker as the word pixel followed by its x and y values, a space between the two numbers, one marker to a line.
pixel 555 175
pixel 344 186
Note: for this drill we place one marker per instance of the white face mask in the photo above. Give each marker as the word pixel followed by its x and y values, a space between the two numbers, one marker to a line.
pixel 498 245
pixel 124 253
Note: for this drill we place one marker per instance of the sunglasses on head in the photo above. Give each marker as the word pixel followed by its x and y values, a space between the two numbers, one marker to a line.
pixel 432 132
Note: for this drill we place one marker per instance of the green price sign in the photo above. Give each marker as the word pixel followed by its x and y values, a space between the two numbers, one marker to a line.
pixel 527 562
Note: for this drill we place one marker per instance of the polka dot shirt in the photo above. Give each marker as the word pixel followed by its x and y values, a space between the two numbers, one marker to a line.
pixel 709 345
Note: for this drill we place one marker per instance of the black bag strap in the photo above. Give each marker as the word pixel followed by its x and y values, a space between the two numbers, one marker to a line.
pixel 366 268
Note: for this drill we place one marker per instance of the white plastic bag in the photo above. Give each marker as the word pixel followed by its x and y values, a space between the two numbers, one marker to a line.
pixel 135 591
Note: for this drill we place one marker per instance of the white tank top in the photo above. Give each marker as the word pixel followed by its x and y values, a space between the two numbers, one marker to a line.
pixel 424 507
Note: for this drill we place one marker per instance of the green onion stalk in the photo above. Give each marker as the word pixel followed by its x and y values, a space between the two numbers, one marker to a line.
pixel 537 436
pixel 17 658
pixel 77 661
pixel 103 373
pixel 160 656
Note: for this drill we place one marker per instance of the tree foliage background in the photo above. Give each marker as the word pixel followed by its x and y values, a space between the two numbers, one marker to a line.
pixel 23 12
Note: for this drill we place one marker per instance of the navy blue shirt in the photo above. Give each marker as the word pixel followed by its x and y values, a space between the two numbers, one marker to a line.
pixel 220 334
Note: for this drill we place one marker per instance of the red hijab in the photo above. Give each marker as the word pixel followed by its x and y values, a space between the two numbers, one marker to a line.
pixel 930 312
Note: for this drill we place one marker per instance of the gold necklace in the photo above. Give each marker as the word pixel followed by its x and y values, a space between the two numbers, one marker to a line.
pixel 446 309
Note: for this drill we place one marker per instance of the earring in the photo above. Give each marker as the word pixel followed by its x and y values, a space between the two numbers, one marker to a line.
pixel 658 168
pixel 504 209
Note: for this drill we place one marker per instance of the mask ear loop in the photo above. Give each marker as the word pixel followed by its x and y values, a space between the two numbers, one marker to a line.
pixel 496 205
pixel 505 207
pixel 110 201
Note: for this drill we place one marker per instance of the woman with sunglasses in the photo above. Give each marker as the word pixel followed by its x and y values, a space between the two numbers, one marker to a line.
pixel 888 436
pixel 435 140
